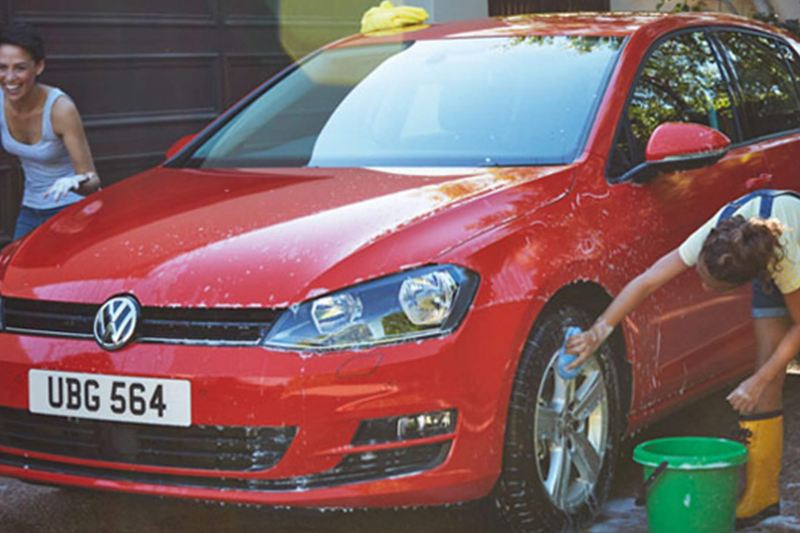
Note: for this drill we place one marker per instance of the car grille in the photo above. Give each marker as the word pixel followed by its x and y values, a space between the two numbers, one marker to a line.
pixel 354 468
pixel 173 325
pixel 198 447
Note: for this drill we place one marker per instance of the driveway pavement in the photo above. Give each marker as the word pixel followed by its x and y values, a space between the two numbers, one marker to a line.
pixel 31 509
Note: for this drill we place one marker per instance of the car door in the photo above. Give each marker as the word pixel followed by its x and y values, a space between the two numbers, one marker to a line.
pixel 766 70
pixel 684 334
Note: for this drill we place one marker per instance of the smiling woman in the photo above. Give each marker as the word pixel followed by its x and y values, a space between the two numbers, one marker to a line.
pixel 41 126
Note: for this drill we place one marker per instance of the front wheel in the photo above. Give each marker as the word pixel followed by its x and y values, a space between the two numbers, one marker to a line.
pixel 562 435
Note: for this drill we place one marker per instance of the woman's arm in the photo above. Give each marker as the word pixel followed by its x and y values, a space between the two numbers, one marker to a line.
pixel 746 396
pixel 662 271
pixel 68 125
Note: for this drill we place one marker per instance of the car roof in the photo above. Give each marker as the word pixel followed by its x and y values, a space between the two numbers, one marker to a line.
pixel 614 24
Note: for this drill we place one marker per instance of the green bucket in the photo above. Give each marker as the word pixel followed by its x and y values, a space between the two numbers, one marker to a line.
pixel 690 483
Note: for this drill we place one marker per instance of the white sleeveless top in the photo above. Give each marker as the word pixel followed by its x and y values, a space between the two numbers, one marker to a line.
pixel 43 162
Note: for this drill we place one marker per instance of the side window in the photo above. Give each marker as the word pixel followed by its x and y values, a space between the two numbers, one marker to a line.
pixel 769 94
pixel 680 81
pixel 791 59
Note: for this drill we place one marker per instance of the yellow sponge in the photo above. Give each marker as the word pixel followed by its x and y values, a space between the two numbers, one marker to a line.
pixel 388 17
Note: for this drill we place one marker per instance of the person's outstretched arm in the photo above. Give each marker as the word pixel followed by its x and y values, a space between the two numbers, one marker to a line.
pixel 663 270
pixel 68 125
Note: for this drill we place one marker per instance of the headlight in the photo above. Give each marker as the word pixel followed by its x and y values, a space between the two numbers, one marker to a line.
pixel 424 302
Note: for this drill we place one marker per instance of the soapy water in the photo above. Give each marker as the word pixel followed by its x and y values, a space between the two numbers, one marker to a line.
pixel 783 523
pixel 621 514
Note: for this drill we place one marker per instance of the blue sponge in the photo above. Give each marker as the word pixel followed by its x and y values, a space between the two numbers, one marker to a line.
pixel 565 359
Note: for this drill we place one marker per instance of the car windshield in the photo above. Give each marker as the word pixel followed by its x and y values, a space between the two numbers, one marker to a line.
pixel 455 102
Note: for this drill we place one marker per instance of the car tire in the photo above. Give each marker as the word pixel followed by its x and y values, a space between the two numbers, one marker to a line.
pixel 562 436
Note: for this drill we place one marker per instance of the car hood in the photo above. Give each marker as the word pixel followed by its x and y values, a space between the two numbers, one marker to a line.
pixel 257 238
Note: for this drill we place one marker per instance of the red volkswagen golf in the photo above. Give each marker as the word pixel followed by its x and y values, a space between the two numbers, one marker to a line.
pixel 350 288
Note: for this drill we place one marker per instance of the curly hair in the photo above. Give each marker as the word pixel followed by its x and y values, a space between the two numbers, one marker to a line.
pixel 739 250
pixel 26 37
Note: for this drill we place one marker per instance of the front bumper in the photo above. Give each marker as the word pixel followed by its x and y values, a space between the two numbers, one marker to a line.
pixel 322 399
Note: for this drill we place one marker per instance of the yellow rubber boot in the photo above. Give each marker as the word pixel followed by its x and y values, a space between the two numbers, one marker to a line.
pixel 762 494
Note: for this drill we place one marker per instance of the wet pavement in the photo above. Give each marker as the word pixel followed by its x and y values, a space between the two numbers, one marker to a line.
pixel 31 509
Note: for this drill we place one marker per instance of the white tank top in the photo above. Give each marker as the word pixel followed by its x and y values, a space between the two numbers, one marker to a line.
pixel 43 162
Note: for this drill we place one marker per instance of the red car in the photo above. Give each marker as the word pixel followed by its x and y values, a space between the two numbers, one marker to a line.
pixel 350 289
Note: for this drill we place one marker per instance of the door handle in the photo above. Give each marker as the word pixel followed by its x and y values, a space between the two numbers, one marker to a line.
pixel 759 182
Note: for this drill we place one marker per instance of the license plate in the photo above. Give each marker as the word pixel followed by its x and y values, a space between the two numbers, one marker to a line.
pixel 165 402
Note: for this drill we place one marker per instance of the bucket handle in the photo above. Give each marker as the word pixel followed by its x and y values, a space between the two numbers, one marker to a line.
pixel 641 492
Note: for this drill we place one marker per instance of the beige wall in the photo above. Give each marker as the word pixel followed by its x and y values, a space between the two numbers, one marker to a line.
pixel 447 10
pixel 787 9
pixel 790 10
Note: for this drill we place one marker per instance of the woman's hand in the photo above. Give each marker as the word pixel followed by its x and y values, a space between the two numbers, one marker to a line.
pixel 746 396
pixel 62 186
pixel 585 344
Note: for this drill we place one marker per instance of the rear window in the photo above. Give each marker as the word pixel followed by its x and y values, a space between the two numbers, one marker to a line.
pixel 457 102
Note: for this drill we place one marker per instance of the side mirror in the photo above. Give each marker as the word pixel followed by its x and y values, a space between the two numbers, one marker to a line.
pixel 680 146
pixel 681 140
pixel 179 144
